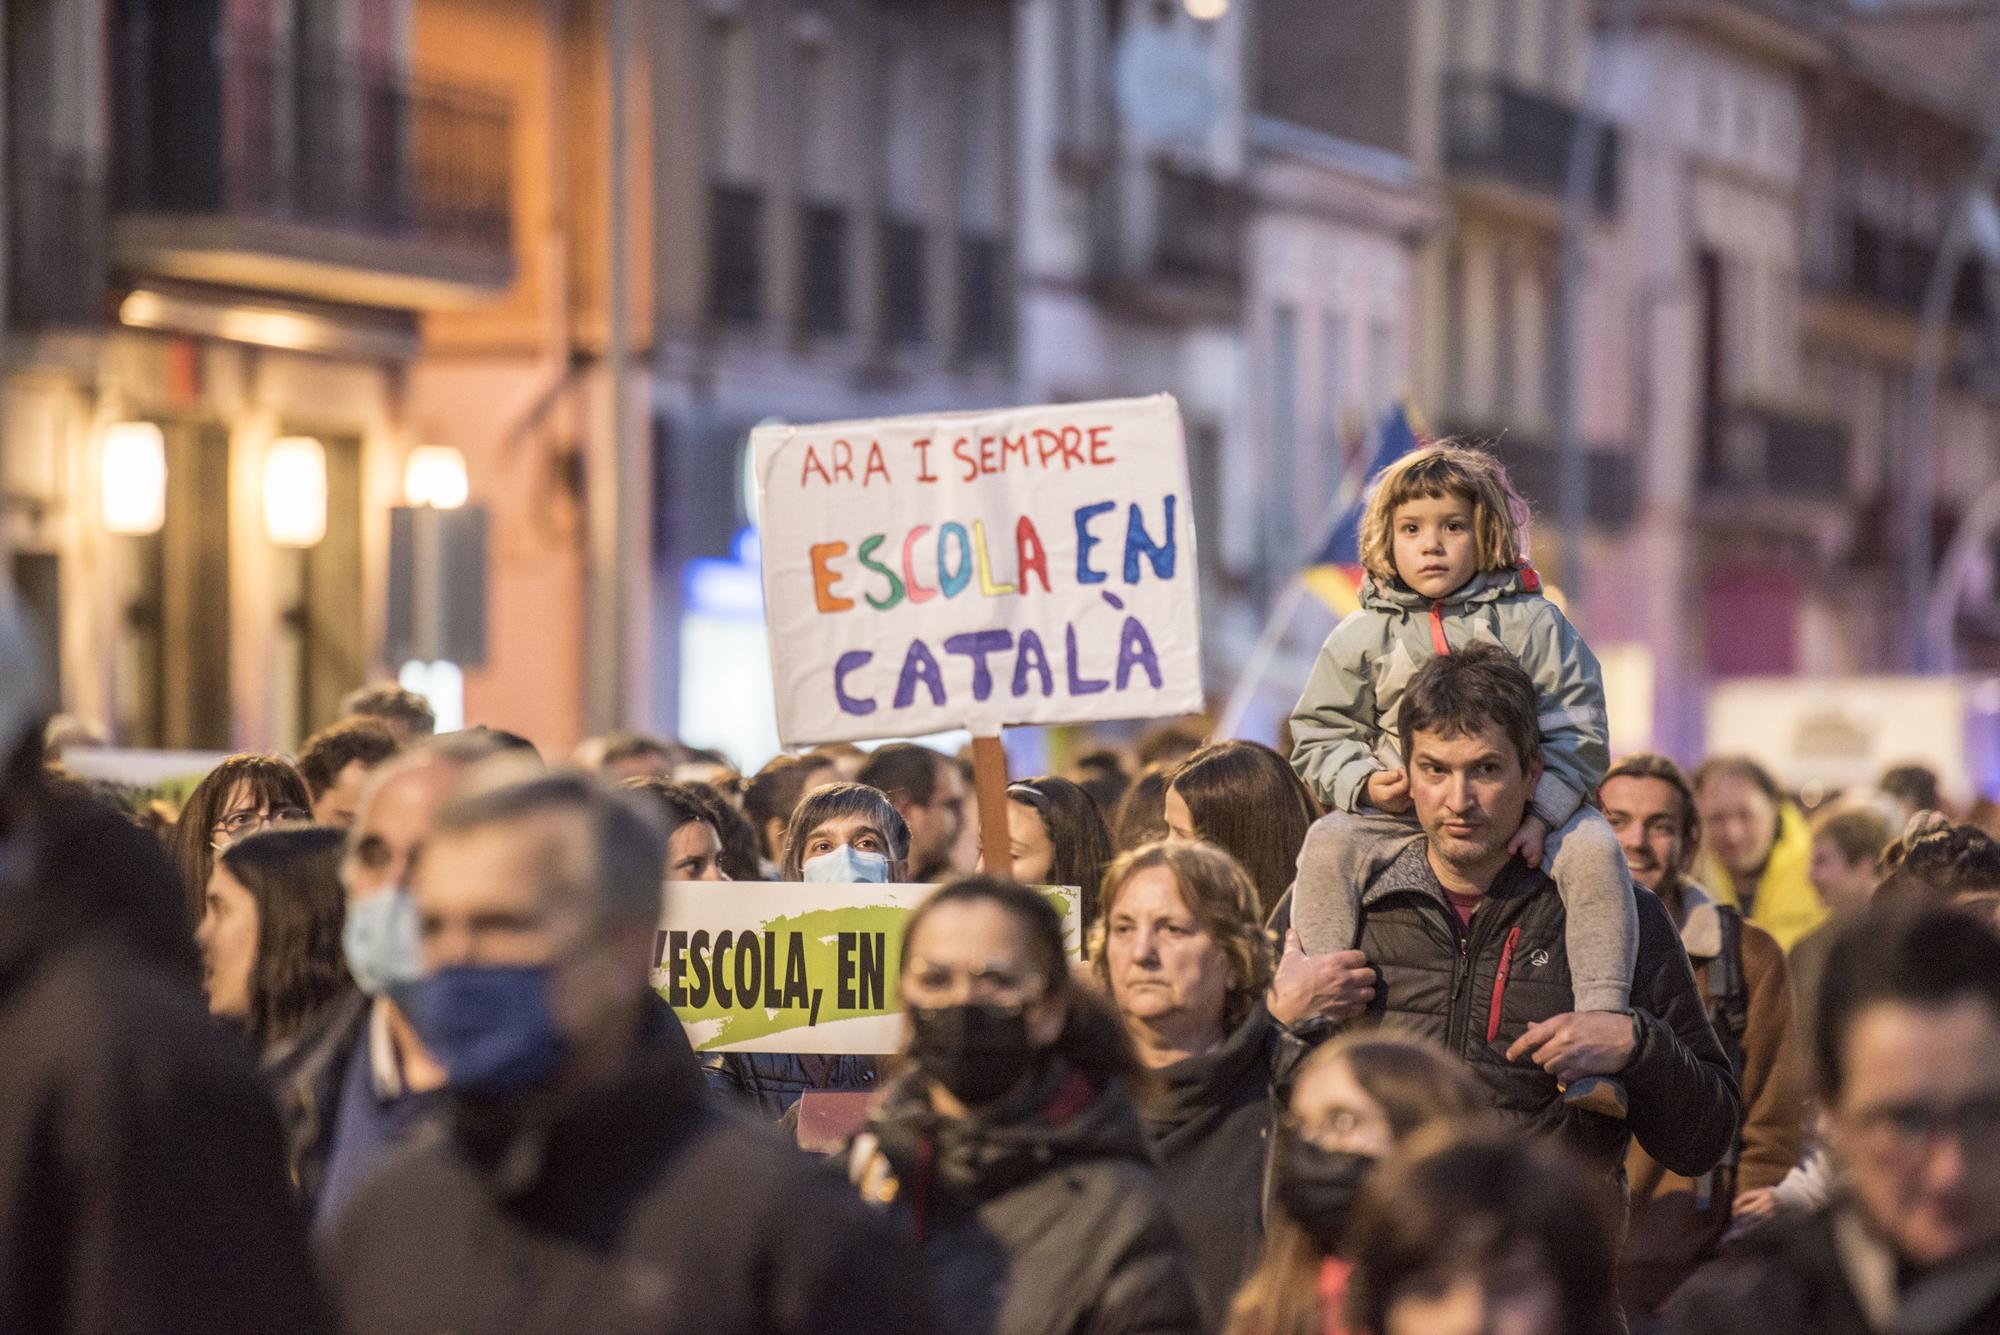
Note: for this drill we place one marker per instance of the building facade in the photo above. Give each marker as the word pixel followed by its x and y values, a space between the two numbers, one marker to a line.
pixel 224 220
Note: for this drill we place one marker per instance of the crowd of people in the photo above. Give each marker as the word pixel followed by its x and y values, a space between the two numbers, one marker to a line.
pixel 1436 1019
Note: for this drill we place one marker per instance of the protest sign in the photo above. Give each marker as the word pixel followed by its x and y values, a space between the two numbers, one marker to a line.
pixel 973 570
pixel 755 967
pixel 141 776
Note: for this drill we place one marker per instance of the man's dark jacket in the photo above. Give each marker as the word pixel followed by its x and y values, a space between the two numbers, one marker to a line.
pixel 637 1205
pixel 1802 1275
pixel 1476 990
pixel 142 1181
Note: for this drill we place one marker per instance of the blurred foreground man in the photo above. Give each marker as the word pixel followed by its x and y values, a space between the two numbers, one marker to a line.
pixel 1908 1042
pixel 1677 1221
pixel 142 1184
pixel 582 1180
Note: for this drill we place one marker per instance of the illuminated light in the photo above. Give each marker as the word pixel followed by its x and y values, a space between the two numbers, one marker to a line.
pixel 295 491
pixel 1207 11
pixel 442 684
pixel 434 475
pixel 134 470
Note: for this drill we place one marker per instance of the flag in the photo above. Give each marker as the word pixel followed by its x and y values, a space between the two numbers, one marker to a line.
pixel 1334 573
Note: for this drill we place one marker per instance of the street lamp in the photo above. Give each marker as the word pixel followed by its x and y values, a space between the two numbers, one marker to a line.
pixel 434 475
pixel 295 492
pixel 134 478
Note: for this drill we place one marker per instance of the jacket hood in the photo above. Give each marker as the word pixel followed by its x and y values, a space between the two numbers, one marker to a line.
pixel 1062 1118
pixel 1191 1096
pixel 77 870
pixel 1396 597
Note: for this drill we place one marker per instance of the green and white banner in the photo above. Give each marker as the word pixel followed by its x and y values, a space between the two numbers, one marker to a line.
pixel 784 967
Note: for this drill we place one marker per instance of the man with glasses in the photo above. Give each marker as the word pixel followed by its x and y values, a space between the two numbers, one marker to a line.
pixel 1908 1045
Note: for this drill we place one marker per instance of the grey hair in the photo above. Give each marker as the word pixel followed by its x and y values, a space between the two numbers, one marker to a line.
pixel 626 841
pixel 834 800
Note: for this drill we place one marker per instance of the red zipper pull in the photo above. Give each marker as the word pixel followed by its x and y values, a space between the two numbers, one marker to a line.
pixel 1438 641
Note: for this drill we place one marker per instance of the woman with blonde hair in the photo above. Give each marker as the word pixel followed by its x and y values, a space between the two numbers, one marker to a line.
pixel 1179 947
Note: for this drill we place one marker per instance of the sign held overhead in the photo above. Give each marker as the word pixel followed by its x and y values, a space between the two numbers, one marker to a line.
pixel 1025 565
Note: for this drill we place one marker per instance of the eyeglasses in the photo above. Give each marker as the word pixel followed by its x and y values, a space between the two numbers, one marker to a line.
pixel 1330 1128
pixel 237 824
pixel 930 983
pixel 1910 1127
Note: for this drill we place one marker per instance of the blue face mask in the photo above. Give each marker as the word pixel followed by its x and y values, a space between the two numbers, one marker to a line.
pixel 845 866
pixel 489 1026
pixel 380 941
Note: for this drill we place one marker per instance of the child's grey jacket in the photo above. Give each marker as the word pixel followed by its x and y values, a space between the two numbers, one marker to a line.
pixel 1344 728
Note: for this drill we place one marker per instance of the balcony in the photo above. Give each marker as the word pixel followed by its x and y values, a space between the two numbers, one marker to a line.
pixel 1496 131
pixel 1167 242
pixel 1762 452
pixel 315 176
pixel 55 237
pixel 1869 263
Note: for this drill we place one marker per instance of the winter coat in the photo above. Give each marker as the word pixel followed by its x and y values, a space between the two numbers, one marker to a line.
pixel 1830 1274
pixel 1784 902
pixel 1041 1216
pixel 636 1205
pixel 1476 989
pixel 304 1078
pixel 1677 1220
pixel 1344 728
pixel 1210 1119
pixel 142 1179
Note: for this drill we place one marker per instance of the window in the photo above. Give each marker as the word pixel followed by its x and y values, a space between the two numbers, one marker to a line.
pixel 1333 387
pixel 1281 550
pixel 1382 368
pixel 732 102
pixel 981 277
pixel 819 124
pixel 735 266
pixel 736 208
pixel 904 306
pixel 823 238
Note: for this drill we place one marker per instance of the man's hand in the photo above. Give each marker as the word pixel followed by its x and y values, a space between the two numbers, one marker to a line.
pixel 1528 840
pixel 1334 988
pixel 1578 1043
pixel 1389 790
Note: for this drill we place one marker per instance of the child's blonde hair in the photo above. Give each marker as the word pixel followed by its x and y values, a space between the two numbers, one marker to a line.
pixel 1446 469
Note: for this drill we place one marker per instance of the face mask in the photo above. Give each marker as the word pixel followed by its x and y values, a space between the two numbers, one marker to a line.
pixel 1319 1188
pixel 977 1052
pixel 489 1026
pixel 380 941
pixel 845 866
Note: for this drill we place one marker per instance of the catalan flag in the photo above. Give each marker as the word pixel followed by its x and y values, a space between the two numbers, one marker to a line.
pixel 1334 574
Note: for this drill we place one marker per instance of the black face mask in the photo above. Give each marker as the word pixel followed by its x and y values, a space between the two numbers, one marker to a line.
pixel 977 1052
pixel 1319 1188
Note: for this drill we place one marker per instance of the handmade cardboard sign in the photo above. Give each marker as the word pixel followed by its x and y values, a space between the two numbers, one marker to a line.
pixel 771 967
pixel 973 570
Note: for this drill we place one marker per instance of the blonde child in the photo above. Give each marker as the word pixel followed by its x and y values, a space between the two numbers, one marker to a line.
pixel 1441 544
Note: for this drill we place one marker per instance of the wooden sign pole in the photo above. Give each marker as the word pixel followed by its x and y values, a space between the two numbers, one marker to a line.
pixel 989 781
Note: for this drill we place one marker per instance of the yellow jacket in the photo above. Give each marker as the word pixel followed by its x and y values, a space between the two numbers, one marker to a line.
pixel 1785 905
